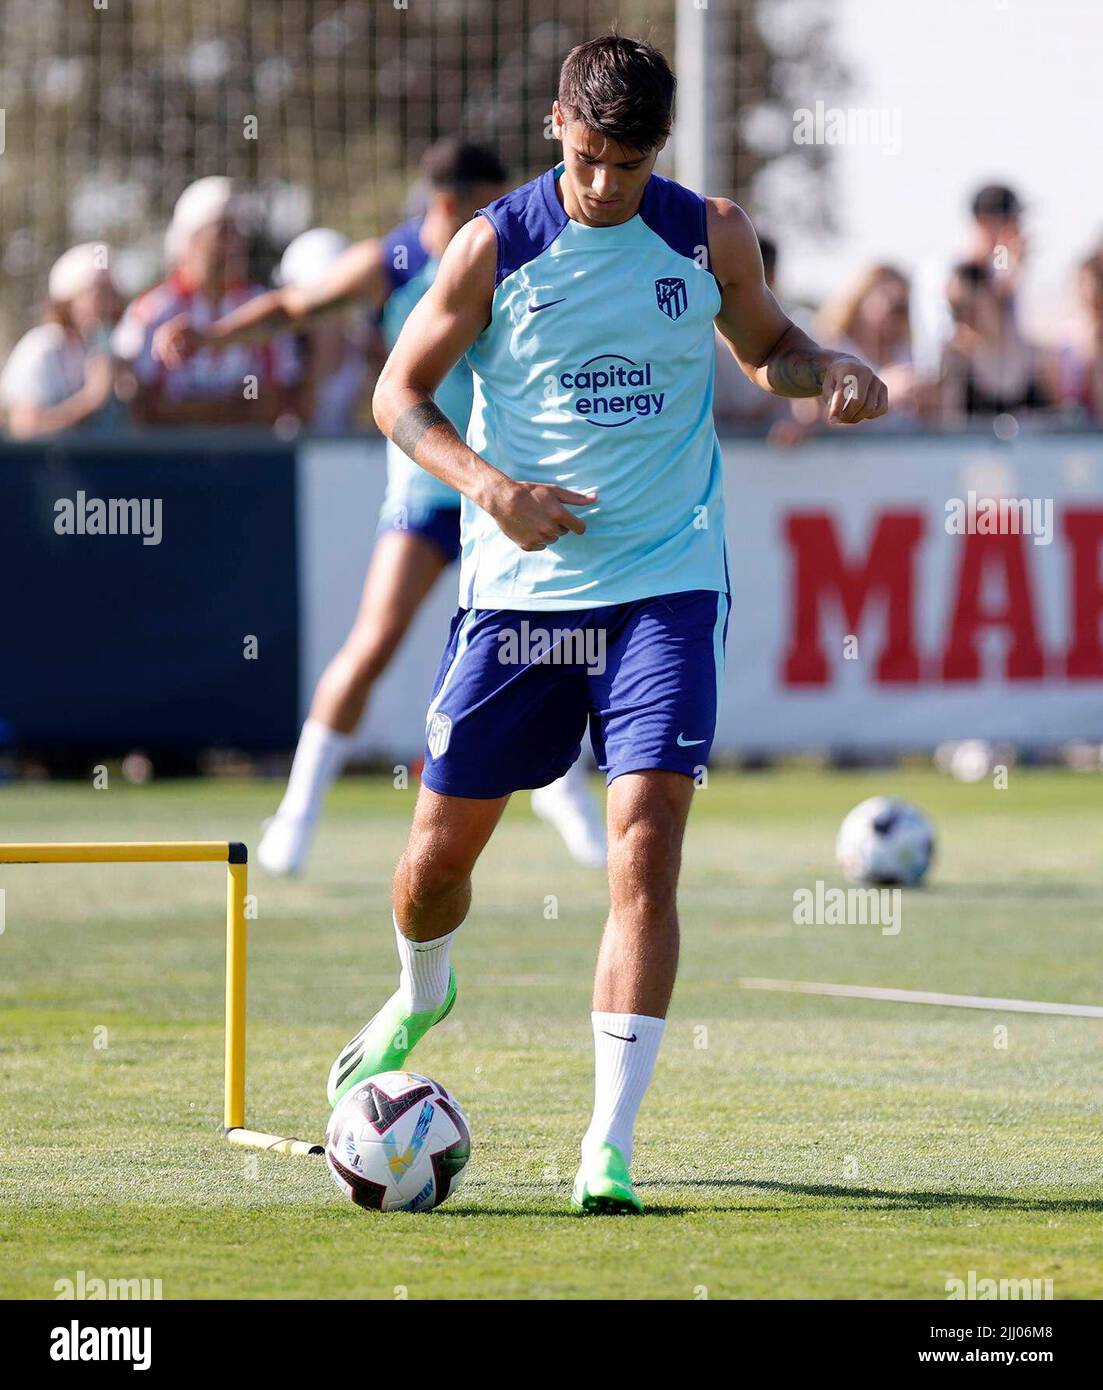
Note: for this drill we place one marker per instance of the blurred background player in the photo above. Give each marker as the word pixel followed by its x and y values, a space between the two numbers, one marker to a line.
pixel 419 525
pixel 218 385
pixel 61 375
pixel 334 354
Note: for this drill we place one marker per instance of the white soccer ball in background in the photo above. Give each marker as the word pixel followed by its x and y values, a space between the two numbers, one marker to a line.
pixel 397 1142
pixel 885 841
pixel 973 759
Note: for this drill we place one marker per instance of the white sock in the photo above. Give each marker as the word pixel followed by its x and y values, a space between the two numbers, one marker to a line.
pixel 425 969
pixel 625 1048
pixel 318 759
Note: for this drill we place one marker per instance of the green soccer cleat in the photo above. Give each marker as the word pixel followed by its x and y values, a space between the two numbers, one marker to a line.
pixel 384 1043
pixel 603 1186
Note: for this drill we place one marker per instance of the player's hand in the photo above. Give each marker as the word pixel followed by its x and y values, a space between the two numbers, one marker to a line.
pixel 175 341
pixel 853 391
pixel 535 515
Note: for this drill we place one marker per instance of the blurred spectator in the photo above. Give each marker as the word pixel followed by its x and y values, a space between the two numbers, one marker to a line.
pixel 335 357
pixel 374 274
pixel 871 318
pixel 1078 366
pixel 988 368
pixel 239 385
pixel 60 375
pixel 996 242
pixel 872 321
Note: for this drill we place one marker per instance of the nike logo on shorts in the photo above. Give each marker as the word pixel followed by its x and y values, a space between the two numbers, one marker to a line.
pixel 684 742
pixel 535 308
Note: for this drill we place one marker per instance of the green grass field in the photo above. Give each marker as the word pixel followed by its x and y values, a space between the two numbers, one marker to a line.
pixel 791 1146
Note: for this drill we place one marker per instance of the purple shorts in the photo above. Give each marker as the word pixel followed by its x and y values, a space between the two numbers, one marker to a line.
pixel 438 525
pixel 516 691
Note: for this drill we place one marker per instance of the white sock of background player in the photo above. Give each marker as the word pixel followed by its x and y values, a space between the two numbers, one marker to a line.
pixel 319 758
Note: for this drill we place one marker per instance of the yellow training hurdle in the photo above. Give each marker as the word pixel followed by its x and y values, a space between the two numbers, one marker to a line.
pixel 235 856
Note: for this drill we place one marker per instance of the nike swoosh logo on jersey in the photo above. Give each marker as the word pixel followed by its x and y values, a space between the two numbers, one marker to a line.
pixel 620 1036
pixel 688 742
pixel 535 308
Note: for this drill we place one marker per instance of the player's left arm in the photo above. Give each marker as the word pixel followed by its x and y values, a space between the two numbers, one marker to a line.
pixel 769 347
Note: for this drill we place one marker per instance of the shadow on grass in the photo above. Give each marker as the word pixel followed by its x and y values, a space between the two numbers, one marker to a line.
pixel 565 1212
pixel 887 1198
pixel 547 1200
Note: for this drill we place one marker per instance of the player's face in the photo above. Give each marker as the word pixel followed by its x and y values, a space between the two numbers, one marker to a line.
pixel 602 181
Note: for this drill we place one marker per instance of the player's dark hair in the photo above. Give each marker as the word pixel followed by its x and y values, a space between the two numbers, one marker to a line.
pixel 621 88
pixel 456 165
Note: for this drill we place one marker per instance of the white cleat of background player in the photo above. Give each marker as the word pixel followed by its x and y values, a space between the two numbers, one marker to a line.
pixel 571 807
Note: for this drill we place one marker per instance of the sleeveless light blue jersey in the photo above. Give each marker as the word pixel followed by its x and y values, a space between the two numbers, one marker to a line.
pixel 596 372
pixel 410 489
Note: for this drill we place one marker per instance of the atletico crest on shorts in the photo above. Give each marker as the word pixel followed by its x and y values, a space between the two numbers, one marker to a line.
pixel 670 291
pixel 438 734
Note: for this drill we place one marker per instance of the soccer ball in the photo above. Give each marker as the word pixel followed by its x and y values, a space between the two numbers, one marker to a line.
pixel 397 1142
pixel 885 841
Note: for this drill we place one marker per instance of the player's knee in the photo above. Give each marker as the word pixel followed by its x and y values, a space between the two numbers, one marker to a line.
pixel 646 833
pixel 365 659
pixel 644 855
pixel 427 875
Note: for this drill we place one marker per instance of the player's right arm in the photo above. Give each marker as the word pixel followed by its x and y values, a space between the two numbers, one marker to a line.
pixel 360 273
pixel 442 326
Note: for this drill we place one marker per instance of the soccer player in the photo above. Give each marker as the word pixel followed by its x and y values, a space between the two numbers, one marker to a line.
pixel 419 524
pixel 591 480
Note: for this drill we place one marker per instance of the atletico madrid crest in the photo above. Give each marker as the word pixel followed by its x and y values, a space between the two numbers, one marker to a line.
pixel 438 735
pixel 671 294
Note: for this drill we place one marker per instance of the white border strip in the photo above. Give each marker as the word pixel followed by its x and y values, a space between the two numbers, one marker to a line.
pixel 916 996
